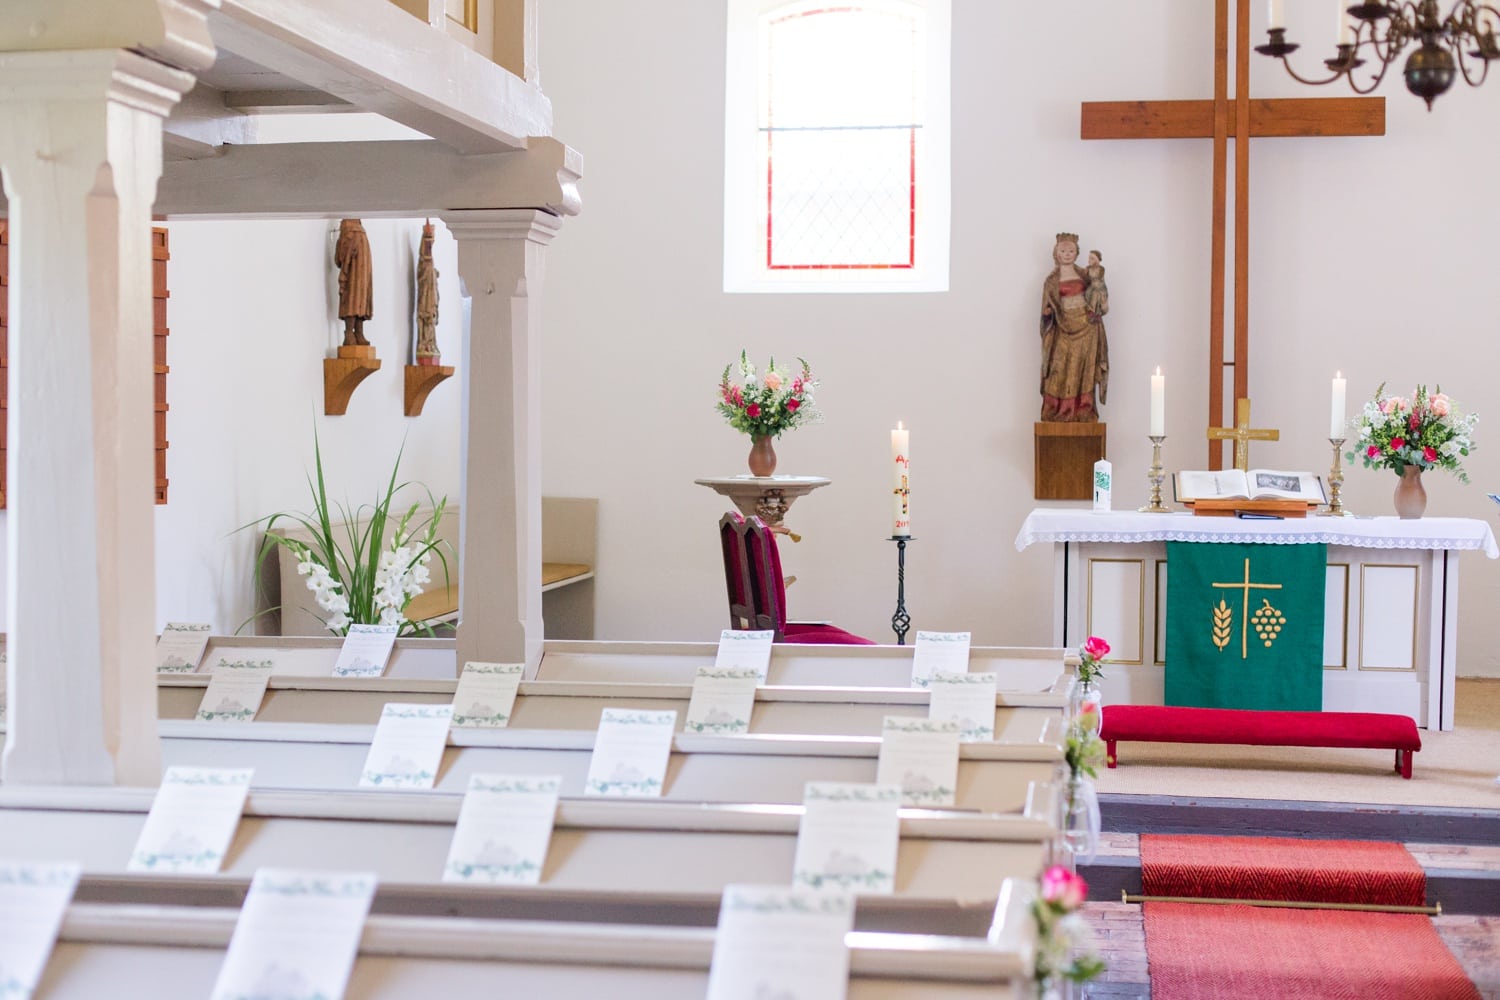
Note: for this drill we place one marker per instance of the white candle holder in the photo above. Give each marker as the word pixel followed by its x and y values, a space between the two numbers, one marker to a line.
pixel 1157 475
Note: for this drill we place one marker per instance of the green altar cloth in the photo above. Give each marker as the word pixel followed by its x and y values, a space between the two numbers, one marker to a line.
pixel 1245 625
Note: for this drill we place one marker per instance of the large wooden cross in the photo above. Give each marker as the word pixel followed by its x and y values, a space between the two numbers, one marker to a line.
pixel 1219 119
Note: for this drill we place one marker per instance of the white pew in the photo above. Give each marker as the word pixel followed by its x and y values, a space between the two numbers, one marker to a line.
pixel 605 846
pixel 179 948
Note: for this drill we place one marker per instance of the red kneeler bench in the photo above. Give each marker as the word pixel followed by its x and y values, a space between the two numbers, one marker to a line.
pixel 1172 724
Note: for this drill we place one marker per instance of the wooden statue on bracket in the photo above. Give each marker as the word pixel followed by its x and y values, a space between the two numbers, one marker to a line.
pixel 427 302
pixel 1074 373
pixel 356 359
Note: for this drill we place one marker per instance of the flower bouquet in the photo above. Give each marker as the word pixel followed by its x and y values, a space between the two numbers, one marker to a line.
pixel 1426 431
pixel 365 572
pixel 765 405
pixel 1063 948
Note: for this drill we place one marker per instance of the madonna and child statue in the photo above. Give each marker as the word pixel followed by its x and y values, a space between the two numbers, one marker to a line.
pixel 1074 373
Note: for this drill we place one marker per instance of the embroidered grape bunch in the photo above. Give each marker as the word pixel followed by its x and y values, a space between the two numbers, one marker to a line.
pixel 1267 621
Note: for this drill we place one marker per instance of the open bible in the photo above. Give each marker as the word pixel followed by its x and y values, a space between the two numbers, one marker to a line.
pixel 1228 491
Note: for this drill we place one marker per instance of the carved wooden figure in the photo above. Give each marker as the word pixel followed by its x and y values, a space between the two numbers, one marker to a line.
pixel 1075 352
pixel 352 255
pixel 427 302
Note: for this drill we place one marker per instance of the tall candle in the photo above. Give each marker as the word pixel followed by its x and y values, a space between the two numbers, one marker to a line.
pixel 1158 404
pixel 901 488
pixel 1275 15
pixel 1336 415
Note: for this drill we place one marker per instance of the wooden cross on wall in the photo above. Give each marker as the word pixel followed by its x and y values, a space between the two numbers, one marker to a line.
pixel 1220 119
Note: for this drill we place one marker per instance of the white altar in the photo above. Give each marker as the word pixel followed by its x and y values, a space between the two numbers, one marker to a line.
pixel 1391 604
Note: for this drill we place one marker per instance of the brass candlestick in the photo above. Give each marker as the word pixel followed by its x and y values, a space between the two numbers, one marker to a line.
pixel 1335 482
pixel 1156 475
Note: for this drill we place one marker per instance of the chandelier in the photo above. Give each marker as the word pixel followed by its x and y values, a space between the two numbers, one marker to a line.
pixel 1462 43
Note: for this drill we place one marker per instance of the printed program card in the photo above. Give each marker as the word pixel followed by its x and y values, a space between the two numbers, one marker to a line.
pixel 33 899
pixel 780 942
pixel 408 746
pixel 630 753
pixel 297 935
pixel 486 694
pixel 921 756
pixel 181 647
pixel 365 651
pixel 848 838
pixel 967 699
pixel 235 690
pixel 945 651
pixel 192 821
pixel 750 650
pixel 722 701
pixel 504 829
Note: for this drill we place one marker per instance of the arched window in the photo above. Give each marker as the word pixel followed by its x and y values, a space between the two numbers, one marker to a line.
pixel 836 146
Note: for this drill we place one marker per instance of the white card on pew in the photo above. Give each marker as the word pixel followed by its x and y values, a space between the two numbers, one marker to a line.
pixel 967 699
pixel 848 837
pixel 235 690
pixel 408 746
pixel 192 820
pixel 365 651
pixel 945 651
pixel 504 829
pixel 297 935
pixel 723 699
pixel 631 750
pixel 778 941
pixel 3 682
pixel 739 649
pixel 486 694
pixel 33 898
pixel 921 756
pixel 181 647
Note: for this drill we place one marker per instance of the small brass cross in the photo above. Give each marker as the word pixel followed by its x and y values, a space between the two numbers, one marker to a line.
pixel 1242 434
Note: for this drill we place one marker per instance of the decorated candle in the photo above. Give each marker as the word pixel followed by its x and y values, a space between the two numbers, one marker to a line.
pixel 901 488
pixel 1336 415
pixel 1158 404
pixel 1275 15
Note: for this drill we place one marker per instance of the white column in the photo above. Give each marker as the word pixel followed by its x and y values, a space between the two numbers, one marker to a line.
pixel 500 255
pixel 80 150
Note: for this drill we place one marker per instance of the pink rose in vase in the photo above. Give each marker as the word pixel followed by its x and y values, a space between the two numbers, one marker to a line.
pixel 1440 405
pixel 1096 647
pixel 1064 889
pixel 773 381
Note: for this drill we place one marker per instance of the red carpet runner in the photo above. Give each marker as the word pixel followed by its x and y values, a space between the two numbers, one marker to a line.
pixel 1199 951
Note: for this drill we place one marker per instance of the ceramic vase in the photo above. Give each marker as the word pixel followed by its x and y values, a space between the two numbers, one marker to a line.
pixel 1411 498
pixel 762 456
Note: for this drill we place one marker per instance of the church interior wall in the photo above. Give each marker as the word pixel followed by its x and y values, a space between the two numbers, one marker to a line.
pixel 1368 255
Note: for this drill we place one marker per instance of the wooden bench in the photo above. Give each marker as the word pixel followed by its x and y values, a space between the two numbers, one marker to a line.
pixel 1171 724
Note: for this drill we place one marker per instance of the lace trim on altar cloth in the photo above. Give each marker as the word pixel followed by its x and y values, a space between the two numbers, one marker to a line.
pixel 1265 538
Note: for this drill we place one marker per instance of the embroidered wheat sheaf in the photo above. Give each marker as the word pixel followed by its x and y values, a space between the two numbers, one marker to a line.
pixel 1222 619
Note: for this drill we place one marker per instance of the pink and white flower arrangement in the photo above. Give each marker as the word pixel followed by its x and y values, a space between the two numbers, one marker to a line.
pixel 1064 948
pixel 764 405
pixel 1427 431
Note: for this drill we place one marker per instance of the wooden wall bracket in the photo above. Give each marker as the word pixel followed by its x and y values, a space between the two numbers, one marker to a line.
pixel 421 380
pixel 343 374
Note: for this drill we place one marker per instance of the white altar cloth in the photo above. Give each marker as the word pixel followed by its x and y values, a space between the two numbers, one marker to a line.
pixel 1451 533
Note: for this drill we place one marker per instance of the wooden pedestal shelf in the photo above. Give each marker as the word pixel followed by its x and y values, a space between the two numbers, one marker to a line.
pixel 421 380
pixel 1065 457
pixel 343 374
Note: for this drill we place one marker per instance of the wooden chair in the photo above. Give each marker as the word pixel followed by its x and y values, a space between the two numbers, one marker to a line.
pixel 753 567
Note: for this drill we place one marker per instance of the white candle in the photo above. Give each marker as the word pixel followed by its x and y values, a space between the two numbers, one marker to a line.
pixel 1275 15
pixel 1158 404
pixel 1486 20
pixel 1336 415
pixel 901 479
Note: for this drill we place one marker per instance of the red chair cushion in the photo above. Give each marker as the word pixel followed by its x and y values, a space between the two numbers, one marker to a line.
pixel 830 635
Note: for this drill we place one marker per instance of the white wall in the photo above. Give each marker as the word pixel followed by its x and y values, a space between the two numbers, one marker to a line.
pixel 252 314
pixel 1368 254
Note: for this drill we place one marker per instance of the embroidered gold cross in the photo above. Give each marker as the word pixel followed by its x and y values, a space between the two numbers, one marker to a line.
pixel 1242 434
pixel 1245 587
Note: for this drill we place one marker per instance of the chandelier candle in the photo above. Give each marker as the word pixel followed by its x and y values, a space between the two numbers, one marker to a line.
pixel 901 491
